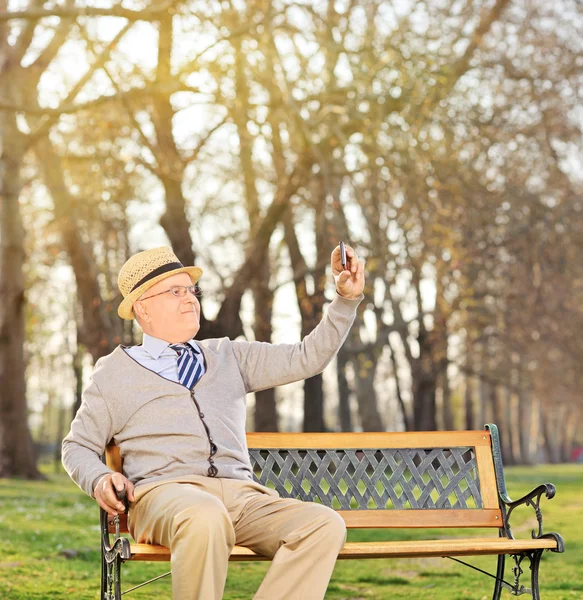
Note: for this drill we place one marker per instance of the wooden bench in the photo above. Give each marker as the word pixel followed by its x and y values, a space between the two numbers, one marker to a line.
pixel 381 480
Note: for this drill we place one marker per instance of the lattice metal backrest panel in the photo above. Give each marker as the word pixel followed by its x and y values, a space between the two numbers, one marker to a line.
pixel 373 479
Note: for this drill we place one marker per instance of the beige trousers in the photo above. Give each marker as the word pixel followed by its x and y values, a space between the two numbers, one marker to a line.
pixel 200 519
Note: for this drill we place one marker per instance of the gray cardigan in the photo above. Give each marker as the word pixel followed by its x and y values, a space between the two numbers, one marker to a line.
pixel 155 423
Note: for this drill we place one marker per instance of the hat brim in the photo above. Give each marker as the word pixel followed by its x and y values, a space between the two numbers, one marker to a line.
pixel 125 309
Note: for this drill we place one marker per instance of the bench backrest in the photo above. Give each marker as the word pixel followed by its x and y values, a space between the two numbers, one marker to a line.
pixel 429 479
pixel 418 479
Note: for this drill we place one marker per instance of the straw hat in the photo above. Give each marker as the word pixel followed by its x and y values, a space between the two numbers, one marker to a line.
pixel 143 270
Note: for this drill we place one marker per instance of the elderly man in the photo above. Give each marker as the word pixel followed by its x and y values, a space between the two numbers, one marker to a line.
pixel 176 409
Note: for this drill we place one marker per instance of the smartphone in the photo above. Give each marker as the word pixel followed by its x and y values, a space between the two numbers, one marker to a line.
pixel 343 255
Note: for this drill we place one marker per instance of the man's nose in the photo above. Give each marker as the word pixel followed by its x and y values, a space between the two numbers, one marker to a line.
pixel 190 299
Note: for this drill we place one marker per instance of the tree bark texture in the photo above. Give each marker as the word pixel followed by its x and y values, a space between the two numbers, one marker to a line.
pixel 344 414
pixel 17 455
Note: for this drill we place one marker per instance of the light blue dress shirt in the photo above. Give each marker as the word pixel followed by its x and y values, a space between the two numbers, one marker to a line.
pixel 156 355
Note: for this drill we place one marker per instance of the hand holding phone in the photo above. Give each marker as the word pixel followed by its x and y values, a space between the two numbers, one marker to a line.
pixel 349 277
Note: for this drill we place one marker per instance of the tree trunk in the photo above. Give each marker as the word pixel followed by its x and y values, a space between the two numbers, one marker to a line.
pixel 484 395
pixel 365 368
pixel 570 431
pixel 313 387
pixel 508 431
pixel 424 376
pixel 500 419
pixel 424 373
pixel 424 417
pixel 171 167
pixel 311 312
pixel 524 425
pixel 448 416
pixel 17 456
pixel 78 373
pixel 101 329
pixel 59 435
pixel 407 419
pixel 313 404
pixel 469 404
pixel 228 318
pixel 265 409
pixel 171 164
pixel 495 405
pixel 552 441
pixel 343 392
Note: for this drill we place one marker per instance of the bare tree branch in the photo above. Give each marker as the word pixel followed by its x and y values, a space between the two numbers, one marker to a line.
pixel 45 126
pixel 25 37
pixel 34 14
pixel 131 94
pixel 192 155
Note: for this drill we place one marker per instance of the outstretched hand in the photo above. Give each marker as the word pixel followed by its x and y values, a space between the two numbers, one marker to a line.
pixel 349 281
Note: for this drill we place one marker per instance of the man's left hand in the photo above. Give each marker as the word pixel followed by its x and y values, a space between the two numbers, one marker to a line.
pixel 349 281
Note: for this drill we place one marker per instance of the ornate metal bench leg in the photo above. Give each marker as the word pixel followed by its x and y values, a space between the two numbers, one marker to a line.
pixel 103 577
pixel 112 555
pixel 110 579
pixel 500 576
pixel 517 589
pixel 534 565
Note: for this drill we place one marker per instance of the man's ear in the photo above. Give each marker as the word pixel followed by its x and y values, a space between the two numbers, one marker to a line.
pixel 141 311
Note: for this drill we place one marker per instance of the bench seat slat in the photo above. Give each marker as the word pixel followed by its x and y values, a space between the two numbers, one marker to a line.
pixel 392 549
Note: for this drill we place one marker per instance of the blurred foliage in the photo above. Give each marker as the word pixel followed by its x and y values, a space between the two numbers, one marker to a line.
pixel 445 145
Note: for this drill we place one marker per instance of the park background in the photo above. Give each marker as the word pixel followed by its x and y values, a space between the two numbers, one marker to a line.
pixel 442 140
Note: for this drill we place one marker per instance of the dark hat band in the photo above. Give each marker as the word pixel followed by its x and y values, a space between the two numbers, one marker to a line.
pixel 163 269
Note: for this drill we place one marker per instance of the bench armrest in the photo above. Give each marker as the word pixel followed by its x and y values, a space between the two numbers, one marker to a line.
pixel 532 499
pixel 548 489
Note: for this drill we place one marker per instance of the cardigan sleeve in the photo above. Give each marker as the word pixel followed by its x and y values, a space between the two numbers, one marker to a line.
pixel 264 365
pixel 91 430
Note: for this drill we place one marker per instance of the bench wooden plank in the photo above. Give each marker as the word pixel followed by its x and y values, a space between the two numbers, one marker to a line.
pixel 113 457
pixel 400 519
pixel 360 440
pixel 411 518
pixel 488 485
pixel 390 549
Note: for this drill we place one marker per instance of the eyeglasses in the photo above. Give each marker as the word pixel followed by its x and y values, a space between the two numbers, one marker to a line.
pixel 179 291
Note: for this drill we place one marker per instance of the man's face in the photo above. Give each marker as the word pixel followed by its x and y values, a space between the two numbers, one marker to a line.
pixel 166 316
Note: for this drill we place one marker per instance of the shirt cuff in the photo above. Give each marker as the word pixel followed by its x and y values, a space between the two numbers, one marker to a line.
pixel 345 306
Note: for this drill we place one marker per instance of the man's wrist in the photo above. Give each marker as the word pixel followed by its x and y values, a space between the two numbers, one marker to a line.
pixel 348 297
pixel 97 481
pixel 345 306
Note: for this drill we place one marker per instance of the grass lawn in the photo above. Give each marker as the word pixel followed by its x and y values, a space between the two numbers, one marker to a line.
pixel 50 550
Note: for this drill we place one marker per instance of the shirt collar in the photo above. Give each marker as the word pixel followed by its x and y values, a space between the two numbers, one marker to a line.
pixel 155 346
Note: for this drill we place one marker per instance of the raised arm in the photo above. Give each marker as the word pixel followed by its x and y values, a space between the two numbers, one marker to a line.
pixel 264 365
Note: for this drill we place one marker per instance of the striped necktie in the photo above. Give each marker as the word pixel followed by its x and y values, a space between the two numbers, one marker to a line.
pixel 189 364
